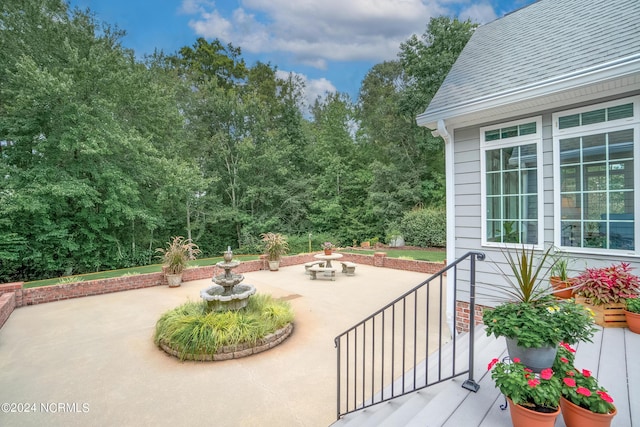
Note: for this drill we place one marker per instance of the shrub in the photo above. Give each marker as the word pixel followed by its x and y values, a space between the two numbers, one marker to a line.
pixel 424 227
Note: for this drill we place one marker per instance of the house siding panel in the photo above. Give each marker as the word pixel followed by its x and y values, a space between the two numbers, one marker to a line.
pixel 468 227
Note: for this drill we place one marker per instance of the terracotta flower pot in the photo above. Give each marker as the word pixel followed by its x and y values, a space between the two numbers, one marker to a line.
pixel 524 417
pixel 560 286
pixel 327 251
pixel 633 321
pixel 576 416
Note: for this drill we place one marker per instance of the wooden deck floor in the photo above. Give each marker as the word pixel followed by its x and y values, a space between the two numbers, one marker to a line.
pixel 613 357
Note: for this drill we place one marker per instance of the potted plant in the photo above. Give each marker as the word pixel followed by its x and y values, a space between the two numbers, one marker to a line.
pixel 533 398
pixel 531 320
pixel 604 291
pixel 327 247
pixel 560 281
pixel 632 313
pixel 175 258
pixel 275 246
pixel 584 403
pixel 607 284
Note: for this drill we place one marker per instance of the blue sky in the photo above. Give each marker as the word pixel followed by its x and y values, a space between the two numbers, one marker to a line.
pixel 331 44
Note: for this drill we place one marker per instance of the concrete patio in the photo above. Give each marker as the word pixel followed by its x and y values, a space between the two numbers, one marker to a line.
pixel 92 361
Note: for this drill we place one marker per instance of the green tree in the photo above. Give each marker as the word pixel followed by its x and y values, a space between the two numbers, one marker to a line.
pixel 83 126
pixel 428 59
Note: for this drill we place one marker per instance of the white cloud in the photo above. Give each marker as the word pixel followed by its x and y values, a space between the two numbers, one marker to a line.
pixel 481 13
pixel 212 25
pixel 316 31
pixel 191 7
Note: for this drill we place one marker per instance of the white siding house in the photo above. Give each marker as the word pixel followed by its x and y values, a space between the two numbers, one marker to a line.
pixel 541 119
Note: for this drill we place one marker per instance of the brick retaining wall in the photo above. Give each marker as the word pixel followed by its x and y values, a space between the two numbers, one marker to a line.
pixel 7 304
pixel 13 295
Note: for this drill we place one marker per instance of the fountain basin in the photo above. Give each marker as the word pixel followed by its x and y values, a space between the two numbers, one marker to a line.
pixel 219 300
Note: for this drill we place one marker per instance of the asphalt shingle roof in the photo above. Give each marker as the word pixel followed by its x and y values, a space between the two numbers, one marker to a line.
pixel 544 40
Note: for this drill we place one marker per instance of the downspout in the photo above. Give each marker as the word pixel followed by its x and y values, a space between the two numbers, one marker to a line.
pixel 450 213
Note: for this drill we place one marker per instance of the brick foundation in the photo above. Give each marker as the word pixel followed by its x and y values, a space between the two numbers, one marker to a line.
pixel 463 311
pixel 13 295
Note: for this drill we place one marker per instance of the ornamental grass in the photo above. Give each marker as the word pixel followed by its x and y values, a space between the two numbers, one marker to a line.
pixel 191 329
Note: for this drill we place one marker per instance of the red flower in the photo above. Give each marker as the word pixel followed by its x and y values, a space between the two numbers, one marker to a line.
pixel 493 362
pixel 533 383
pixel 568 347
pixel 570 382
pixel 527 370
pixel 516 360
pixel 564 360
pixel 586 373
pixel 546 374
pixel 583 391
pixel 605 396
pixel 571 373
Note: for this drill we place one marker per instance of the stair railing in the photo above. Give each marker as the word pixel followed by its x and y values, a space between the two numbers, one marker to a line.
pixel 393 351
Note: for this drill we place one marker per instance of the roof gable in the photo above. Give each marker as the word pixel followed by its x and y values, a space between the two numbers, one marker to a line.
pixel 543 41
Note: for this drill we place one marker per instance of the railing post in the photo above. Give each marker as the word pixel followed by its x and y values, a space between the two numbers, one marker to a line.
pixel 337 343
pixel 470 383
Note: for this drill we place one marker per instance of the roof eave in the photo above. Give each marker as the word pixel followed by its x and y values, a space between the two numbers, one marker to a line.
pixel 606 71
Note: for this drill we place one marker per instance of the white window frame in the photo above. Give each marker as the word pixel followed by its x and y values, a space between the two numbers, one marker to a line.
pixel 608 126
pixel 535 138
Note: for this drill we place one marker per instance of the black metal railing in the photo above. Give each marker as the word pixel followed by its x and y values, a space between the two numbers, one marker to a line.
pixel 393 351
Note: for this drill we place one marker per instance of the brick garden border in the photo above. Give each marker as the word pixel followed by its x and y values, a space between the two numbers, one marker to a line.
pixel 238 351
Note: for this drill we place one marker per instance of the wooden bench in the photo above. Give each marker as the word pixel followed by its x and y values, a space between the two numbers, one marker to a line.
pixel 348 268
pixel 308 265
pixel 313 271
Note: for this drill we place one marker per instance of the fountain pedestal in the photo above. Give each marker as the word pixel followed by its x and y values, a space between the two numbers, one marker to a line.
pixel 227 293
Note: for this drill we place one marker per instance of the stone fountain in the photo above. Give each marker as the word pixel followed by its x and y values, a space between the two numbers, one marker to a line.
pixel 227 293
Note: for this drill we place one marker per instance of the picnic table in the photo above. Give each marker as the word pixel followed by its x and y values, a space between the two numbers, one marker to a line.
pixel 328 258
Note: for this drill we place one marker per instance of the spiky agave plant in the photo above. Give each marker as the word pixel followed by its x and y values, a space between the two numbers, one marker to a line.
pixel 528 275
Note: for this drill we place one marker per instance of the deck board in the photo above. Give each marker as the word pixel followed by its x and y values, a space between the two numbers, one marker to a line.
pixel 613 357
pixel 632 347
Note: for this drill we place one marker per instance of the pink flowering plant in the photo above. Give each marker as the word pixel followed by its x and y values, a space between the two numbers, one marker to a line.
pixel 327 245
pixel 607 284
pixel 579 386
pixel 538 392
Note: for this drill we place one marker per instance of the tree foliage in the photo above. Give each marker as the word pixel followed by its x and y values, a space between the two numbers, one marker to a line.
pixel 103 157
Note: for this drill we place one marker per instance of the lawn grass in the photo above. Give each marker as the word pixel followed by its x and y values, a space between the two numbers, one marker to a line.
pixel 433 255
pixel 155 268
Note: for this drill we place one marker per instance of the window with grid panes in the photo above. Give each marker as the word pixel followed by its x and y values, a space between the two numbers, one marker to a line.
pixel 595 150
pixel 510 155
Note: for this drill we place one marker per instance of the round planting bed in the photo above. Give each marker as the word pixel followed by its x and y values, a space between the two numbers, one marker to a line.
pixel 193 332
pixel 237 351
